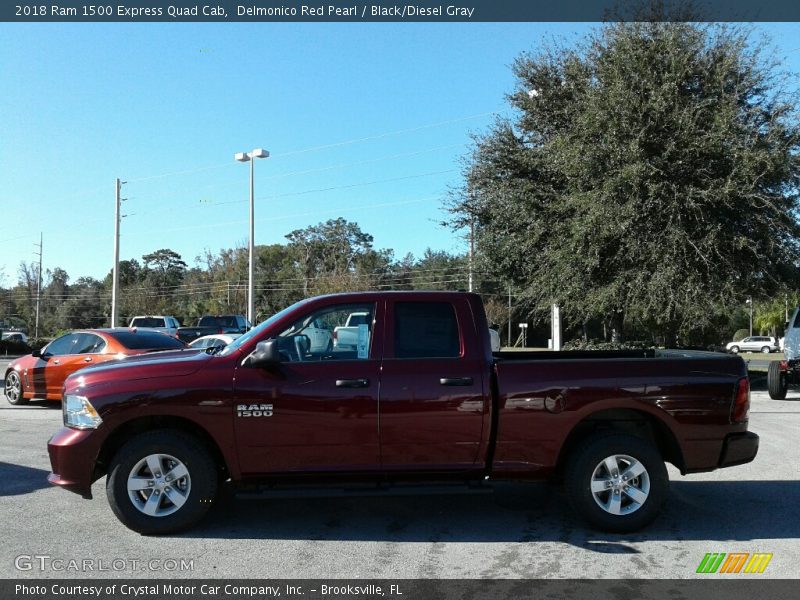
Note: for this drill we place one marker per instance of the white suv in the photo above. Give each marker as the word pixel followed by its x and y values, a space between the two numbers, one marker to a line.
pixel 754 343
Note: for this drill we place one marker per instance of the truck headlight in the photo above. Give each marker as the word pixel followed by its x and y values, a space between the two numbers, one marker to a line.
pixel 79 413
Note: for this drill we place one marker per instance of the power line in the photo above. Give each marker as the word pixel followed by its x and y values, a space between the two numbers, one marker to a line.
pixel 339 211
pixel 322 146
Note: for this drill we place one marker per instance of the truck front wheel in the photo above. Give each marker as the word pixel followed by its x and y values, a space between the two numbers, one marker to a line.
pixel 161 481
pixel 776 381
pixel 617 482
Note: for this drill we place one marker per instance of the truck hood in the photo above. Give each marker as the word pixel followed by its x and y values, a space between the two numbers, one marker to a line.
pixel 169 363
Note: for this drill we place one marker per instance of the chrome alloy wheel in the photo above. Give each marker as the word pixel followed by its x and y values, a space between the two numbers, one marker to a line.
pixel 158 485
pixel 620 484
pixel 13 387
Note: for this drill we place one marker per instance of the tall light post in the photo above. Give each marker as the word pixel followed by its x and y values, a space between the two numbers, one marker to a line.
pixel 251 299
pixel 750 302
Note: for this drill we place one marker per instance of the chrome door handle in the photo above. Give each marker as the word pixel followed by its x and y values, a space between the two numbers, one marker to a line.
pixel 352 383
pixel 456 381
pixel 87 359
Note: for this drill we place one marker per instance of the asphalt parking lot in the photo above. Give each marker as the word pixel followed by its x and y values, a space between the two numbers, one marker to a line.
pixel 520 531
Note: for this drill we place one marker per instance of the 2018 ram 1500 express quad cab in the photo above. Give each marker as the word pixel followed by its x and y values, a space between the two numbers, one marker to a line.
pixel 422 400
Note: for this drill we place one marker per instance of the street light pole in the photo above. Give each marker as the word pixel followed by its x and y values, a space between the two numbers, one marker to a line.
pixel 251 300
pixel 750 302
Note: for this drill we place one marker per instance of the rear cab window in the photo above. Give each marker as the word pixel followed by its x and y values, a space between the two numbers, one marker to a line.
pixel 148 322
pixel 147 340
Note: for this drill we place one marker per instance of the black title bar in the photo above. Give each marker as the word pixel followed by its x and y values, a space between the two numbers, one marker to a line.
pixel 734 588
pixel 139 11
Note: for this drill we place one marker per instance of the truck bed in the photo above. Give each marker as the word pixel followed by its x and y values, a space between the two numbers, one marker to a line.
pixel 542 396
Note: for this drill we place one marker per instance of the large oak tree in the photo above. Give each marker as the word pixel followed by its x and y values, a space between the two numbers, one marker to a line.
pixel 649 175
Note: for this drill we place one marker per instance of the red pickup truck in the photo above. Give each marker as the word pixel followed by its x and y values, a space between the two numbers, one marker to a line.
pixel 421 398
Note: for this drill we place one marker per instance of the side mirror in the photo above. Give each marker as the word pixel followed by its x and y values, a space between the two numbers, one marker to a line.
pixel 36 353
pixel 266 354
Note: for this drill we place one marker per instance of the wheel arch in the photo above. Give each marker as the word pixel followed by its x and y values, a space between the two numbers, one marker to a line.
pixel 127 430
pixel 623 420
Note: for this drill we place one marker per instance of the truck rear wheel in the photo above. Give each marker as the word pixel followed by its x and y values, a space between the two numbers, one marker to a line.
pixel 617 482
pixel 161 481
pixel 776 381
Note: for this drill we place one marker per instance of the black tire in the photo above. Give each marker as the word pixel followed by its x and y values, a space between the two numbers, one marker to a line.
pixel 13 389
pixel 584 464
pixel 201 489
pixel 776 381
pixel 765 350
pixel 735 349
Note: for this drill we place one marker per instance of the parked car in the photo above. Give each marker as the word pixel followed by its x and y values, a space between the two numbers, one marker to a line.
pixel 41 374
pixel 214 324
pixel 425 401
pixel 162 323
pixel 217 340
pixel 14 336
pixel 754 343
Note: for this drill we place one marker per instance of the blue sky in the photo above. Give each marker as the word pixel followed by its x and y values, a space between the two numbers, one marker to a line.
pixel 364 121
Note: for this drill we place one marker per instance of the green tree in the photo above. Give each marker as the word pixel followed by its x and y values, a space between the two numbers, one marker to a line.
pixel 87 306
pixel 648 177
pixel 164 268
pixel 336 256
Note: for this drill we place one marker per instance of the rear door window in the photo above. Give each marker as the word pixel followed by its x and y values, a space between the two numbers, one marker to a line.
pixel 89 343
pixel 426 330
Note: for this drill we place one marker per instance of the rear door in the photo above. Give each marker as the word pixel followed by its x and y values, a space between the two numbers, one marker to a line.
pixel 432 398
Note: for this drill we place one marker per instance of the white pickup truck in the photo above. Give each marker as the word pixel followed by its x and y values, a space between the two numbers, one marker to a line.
pixel 346 336
pixel 162 323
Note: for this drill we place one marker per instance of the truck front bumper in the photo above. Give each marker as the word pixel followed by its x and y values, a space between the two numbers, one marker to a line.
pixel 73 454
pixel 738 449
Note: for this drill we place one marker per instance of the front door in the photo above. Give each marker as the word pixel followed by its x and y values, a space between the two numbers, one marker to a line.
pixel 318 409
pixel 46 377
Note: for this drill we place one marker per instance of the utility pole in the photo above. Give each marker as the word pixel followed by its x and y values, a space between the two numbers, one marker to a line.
pixel 115 276
pixel 39 283
pixel 471 249
pixel 509 314
pixel 750 302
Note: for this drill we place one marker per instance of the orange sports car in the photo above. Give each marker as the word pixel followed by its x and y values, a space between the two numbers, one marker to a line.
pixel 41 375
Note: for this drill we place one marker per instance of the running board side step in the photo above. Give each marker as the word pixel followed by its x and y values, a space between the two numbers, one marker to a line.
pixel 268 492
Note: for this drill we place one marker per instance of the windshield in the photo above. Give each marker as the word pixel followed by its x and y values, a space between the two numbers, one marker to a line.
pixel 256 331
